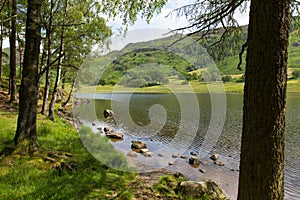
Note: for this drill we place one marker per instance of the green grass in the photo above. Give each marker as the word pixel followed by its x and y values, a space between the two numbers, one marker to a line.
pixel 197 87
pixel 168 187
pixel 33 177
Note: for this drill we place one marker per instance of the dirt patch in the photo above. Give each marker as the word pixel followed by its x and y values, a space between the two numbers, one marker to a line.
pixel 142 185
pixel 7 106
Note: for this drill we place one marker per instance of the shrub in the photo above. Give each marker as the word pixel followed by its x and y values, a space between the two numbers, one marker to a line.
pixel 241 79
pixel 226 78
pixel 296 74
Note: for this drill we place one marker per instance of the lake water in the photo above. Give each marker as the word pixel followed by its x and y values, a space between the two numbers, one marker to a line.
pixel 174 124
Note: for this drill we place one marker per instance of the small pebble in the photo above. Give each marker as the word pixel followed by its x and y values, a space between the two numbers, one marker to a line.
pixel 214 157
pixel 175 155
pixel 184 156
pixel 171 163
pixel 143 150
pixel 132 154
pixel 148 154
pixel 219 163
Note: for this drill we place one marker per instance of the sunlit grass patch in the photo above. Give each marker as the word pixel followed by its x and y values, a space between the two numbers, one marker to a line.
pixel 37 177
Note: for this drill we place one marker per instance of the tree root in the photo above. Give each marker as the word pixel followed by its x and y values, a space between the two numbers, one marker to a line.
pixel 59 160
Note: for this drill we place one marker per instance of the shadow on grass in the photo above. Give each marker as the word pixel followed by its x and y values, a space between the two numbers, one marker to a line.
pixel 38 177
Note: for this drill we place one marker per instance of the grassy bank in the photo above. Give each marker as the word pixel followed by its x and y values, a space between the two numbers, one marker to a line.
pixel 62 169
pixel 194 86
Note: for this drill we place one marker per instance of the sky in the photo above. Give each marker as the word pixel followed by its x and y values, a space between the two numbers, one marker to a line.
pixel 159 25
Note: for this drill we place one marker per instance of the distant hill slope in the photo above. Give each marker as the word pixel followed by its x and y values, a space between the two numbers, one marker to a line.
pixel 161 57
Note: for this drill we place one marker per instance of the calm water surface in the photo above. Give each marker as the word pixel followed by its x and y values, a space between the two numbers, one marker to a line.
pixel 162 126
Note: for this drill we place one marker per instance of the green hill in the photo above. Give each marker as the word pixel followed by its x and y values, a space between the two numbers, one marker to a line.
pixel 159 61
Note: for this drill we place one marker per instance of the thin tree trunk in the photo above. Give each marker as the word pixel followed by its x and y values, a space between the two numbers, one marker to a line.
pixel 63 80
pixel 1 49
pixel 26 126
pixel 46 91
pixel 70 94
pixel 49 54
pixel 42 66
pixel 21 61
pixel 12 41
pixel 262 151
pixel 55 91
pixel 58 73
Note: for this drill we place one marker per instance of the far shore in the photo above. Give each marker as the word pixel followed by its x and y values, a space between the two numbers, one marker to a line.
pixel 193 87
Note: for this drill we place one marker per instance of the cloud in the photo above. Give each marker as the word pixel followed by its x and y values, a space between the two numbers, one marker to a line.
pixel 160 23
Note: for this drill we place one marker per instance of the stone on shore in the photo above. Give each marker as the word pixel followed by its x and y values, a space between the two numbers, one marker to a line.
pixel 114 135
pixel 144 150
pixel 105 129
pixel 193 189
pixel 148 154
pixel 132 154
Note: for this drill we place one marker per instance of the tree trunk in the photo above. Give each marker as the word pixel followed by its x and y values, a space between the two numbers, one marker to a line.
pixel 21 61
pixel 56 84
pixel 12 60
pixel 1 49
pixel 63 79
pixel 58 73
pixel 26 127
pixel 42 66
pixel 46 91
pixel 70 93
pixel 49 54
pixel 262 151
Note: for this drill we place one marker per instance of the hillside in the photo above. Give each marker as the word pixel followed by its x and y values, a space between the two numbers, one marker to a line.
pixel 160 61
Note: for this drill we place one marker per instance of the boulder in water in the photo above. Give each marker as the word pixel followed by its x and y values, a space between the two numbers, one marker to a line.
pixel 138 145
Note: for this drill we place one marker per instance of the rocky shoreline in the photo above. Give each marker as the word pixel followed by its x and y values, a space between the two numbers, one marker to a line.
pixel 151 174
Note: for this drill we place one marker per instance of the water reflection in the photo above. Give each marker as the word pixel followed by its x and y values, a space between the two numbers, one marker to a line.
pixel 228 145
